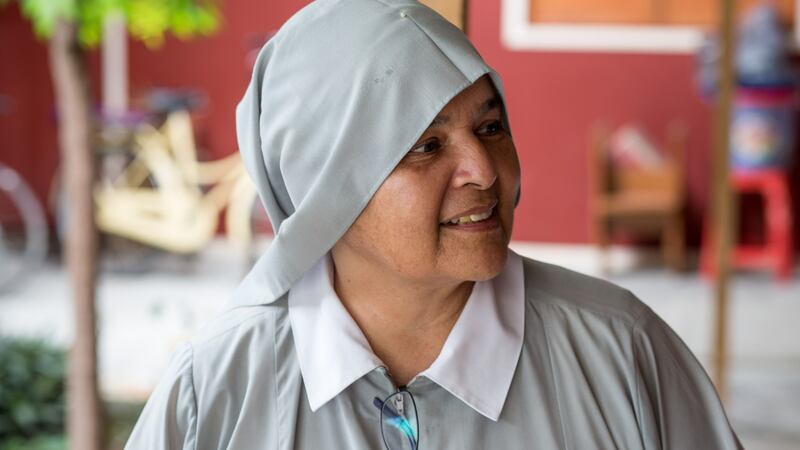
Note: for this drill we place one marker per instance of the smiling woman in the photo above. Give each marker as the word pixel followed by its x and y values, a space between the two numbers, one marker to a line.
pixel 445 213
pixel 389 311
pixel 440 221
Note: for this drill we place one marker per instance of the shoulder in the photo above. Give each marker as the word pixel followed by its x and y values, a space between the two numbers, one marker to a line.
pixel 235 323
pixel 236 340
pixel 596 333
pixel 227 368
pixel 557 291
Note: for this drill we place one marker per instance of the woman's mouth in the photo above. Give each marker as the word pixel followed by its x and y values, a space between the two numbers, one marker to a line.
pixel 474 221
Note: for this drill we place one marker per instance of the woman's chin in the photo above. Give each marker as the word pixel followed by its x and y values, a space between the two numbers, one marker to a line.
pixel 482 265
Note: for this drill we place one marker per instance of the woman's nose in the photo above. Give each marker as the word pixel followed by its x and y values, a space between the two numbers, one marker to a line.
pixel 474 165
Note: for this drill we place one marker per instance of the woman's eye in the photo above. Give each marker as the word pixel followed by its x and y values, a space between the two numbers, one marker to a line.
pixel 491 128
pixel 426 147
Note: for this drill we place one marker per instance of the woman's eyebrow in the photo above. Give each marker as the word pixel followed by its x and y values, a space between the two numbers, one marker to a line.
pixel 488 105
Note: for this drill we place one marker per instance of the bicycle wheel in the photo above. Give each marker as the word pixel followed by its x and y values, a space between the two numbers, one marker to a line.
pixel 23 228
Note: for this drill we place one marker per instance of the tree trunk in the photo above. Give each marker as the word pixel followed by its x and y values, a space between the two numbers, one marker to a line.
pixel 85 427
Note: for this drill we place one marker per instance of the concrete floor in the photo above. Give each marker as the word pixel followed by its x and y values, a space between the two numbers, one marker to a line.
pixel 151 303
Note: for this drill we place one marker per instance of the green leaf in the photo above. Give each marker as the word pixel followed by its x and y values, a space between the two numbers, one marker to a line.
pixel 32 389
pixel 147 20
pixel 92 14
pixel 45 13
pixel 150 20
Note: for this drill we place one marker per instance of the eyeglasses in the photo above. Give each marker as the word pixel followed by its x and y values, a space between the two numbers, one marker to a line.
pixel 399 421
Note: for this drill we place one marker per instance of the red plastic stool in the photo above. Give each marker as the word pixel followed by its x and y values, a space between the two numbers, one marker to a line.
pixel 777 253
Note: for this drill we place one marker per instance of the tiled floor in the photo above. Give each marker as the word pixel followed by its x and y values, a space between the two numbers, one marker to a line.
pixel 144 314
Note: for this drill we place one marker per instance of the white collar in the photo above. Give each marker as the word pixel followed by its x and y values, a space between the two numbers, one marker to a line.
pixel 333 352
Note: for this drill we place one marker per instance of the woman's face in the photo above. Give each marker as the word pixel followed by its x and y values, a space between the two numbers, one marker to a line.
pixel 445 213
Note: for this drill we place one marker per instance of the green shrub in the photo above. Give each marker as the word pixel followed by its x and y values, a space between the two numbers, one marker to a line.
pixel 54 442
pixel 32 374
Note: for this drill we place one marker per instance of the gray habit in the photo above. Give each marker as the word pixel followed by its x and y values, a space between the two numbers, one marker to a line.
pixel 337 98
pixel 598 370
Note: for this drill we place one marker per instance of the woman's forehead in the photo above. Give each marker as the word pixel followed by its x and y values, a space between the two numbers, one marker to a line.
pixel 476 99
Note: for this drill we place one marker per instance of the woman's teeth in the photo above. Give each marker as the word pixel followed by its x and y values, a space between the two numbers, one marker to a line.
pixel 472 218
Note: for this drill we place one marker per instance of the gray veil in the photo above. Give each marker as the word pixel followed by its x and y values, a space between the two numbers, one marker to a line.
pixel 338 96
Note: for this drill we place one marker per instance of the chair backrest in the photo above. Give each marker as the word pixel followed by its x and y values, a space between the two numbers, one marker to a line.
pixel 664 177
pixel 610 176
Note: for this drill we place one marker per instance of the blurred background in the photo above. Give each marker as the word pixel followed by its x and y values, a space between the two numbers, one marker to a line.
pixel 126 219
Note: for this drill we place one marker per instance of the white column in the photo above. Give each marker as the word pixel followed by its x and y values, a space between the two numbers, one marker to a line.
pixel 115 65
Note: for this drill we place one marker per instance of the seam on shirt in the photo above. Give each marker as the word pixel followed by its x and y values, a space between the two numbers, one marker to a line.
pixel 555 385
pixel 203 340
pixel 637 321
pixel 194 394
pixel 636 384
pixel 528 294
pixel 279 418
pixel 637 388
pixel 586 299
pixel 639 329
pixel 567 304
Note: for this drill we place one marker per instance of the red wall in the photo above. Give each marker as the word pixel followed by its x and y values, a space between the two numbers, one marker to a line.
pixel 553 99
pixel 27 131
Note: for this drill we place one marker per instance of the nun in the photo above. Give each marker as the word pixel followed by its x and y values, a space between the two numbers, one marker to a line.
pixel 388 312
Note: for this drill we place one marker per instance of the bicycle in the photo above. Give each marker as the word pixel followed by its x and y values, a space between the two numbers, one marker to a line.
pixel 153 189
pixel 23 226
pixel 166 198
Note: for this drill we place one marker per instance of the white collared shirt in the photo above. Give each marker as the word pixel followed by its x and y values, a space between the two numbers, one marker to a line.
pixel 476 363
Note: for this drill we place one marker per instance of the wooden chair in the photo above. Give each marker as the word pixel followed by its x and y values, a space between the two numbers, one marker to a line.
pixel 642 200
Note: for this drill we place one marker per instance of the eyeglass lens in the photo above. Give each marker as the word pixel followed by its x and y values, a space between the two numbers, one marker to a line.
pixel 399 422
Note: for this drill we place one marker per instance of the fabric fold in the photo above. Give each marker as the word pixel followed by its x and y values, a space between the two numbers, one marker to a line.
pixel 379 96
